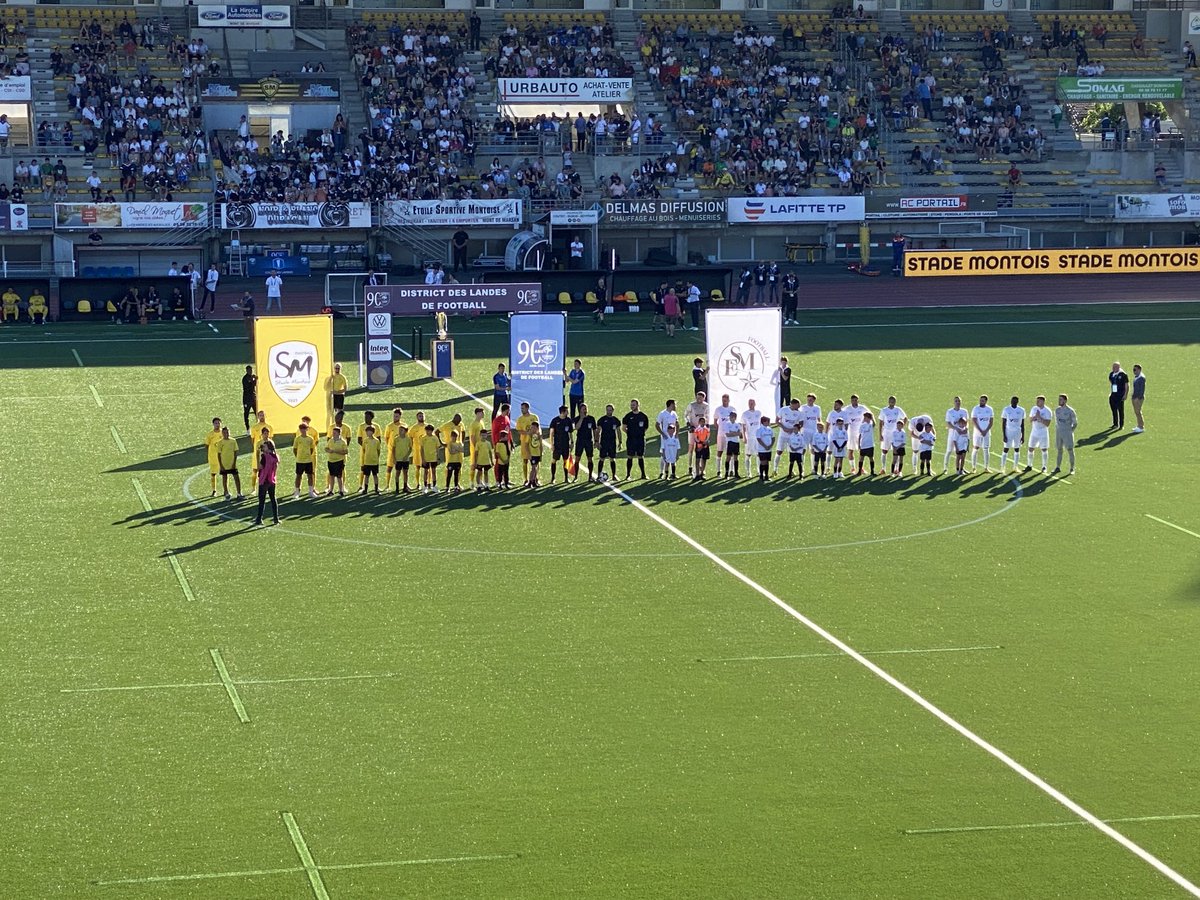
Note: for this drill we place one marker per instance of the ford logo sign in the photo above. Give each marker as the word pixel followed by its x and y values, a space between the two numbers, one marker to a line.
pixel 275 16
pixel 212 15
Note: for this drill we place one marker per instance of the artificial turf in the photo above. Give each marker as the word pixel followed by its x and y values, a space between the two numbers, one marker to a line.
pixel 560 697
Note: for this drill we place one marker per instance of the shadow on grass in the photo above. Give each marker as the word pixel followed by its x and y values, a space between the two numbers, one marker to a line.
pixel 183 458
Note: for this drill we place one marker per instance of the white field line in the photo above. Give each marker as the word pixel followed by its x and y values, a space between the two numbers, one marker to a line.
pixel 454 384
pixel 819 387
pixel 230 688
pixel 116 436
pixel 141 492
pixel 180 576
pixel 989 748
pixel 78 361
pixel 236 681
pixel 1172 525
pixel 213 327
pixel 841 655
pixel 306 857
pixel 946 324
pixel 250 873
pixel 964 829
pixel 96 396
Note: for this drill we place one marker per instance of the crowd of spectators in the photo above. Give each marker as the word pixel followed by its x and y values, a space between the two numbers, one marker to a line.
pixel 576 51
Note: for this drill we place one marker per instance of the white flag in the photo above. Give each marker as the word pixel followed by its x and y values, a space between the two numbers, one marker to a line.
pixel 744 346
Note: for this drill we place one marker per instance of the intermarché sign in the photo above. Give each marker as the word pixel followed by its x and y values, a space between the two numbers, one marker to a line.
pixel 1116 90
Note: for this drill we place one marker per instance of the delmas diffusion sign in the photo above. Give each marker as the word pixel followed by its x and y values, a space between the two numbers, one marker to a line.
pixel 569 90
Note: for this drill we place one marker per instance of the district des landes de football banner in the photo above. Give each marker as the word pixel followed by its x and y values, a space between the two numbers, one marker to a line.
pixel 294 359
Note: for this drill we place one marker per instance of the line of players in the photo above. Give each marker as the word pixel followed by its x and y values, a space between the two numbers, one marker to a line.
pixel 839 443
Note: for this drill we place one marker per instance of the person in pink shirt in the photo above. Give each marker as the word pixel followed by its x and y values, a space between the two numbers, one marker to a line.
pixel 268 469
pixel 671 311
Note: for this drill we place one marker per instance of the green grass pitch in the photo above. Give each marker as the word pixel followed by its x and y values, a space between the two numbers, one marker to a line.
pixel 550 694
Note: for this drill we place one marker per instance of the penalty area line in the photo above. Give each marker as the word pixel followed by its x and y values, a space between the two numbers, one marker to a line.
pixel 306 857
pixel 116 436
pixel 966 829
pixel 230 688
pixel 96 396
pixel 180 576
pixel 1172 525
pixel 945 718
pixel 141 492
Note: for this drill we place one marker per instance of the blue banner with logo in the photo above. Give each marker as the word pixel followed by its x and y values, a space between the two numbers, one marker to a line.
pixel 536 357
pixel 280 262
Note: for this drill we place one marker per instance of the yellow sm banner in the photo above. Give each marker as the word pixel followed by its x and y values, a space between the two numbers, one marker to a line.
pixel 927 263
pixel 294 356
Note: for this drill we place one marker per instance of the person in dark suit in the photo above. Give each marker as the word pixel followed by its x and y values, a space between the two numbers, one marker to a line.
pixel 1118 390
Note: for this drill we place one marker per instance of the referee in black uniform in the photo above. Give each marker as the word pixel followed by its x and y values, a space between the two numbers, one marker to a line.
pixel 1118 389
pixel 249 395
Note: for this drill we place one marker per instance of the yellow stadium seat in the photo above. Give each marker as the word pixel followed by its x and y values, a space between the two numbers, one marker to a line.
pixel 717 295
pixel 564 298
pixel 84 306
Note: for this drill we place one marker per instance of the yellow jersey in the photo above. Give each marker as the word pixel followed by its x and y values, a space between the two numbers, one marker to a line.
pixel 227 449
pixel 304 447
pixel 416 434
pixel 474 430
pixel 535 445
pixel 260 431
pixel 401 447
pixel 361 435
pixel 336 449
pixel 483 454
pixel 10 299
pixel 343 429
pixel 210 441
pixel 37 301
pixel 337 383
pixel 445 430
pixel 393 426
pixel 370 451
pixel 502 453
pixel 429 448
pixel 522 426
pixel 454 452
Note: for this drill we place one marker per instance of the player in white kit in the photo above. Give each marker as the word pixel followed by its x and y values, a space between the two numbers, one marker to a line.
pixel 812 418
pixel 789 419
pixel 916 428
pixel 1040 416
pixel 1012 420
pixel 750 420
pixel 956 424
pixel 720 416
pixel 854 413
pixel 983 417
pixel 889 418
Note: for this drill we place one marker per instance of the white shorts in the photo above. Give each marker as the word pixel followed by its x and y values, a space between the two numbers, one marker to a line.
pixel 852 443
pixel 983 441
pixel 721 441
pixel 781 441
pixel 1012 441
pixel 1039 439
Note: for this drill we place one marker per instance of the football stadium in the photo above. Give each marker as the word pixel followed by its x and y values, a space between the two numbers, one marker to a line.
pixel 822 373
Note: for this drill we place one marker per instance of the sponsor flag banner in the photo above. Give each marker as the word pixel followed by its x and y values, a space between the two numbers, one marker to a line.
pixel 926 263
pixel 270 89
pixel 744 346
pixel 377 327
pixel 884 205
pixel 536 356
pixel 16 89
pixel 453 299
pixel 666 213
pixel 130 215
pixel 295 215
pixel 568 90
pixel 243 15
pixel 294 356
pixel 1193 22
pixel 1157 206
pixel 771 210
pixel 14 217
pixel 480 213
pixel 1119 90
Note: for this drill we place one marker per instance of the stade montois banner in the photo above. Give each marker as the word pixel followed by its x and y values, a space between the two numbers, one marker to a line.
pixel 744 346
pixel 294 357
pixel 536 361
pixel 296 215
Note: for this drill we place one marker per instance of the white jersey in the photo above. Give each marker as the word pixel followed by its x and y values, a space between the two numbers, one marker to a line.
pixel 1039 419
pixel 694 412
pixel 812 415
pixel 763 438
pixel 797 442
pixel 834 415
pixel 897 439
pixel 790 419
pixel 732 431
pixel 723 413
pixel 820 442
pixel 918 424
pixel 854 415
pixel 665 418
pixel 866 436
pixel 956 419
pixel 888 417
pixel 1013 417
pixel 670 449
pixel 983 417
pixel 839 439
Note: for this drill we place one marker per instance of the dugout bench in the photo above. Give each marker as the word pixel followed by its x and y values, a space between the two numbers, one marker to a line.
pixel 794 249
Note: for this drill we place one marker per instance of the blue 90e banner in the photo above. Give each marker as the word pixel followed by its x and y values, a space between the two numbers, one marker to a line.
pixel 536 356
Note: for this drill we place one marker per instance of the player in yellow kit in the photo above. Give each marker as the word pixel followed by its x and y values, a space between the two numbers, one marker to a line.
pixel 211 440
pixel 336 451
pixel 389 435
pixel 429 459
pixel 227 451
pixel 339 426
pixel 337 388
pixel 417 434
pixel 474 430
pixel 400 452
pixel 11 301
pixel 454 461
pixel 524 420
pixel 482 459
pixel 259 432
pixel 368 422
pixel 502 450
pixel 304 447
pixel 39 309
pixel 535 454
pixel 371 448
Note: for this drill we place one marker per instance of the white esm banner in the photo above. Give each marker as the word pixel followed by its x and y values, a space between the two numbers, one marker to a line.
pixel 744 347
